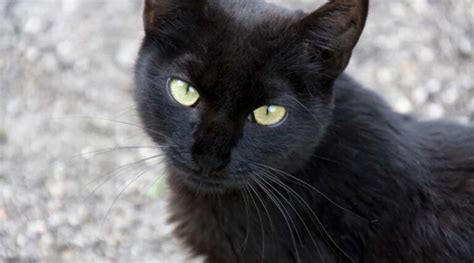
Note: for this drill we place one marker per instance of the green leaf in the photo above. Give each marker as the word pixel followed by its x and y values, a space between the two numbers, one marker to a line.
pixel 157 190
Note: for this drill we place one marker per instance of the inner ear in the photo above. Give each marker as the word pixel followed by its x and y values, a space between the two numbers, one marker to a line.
pixel 160 14
pixel 331 33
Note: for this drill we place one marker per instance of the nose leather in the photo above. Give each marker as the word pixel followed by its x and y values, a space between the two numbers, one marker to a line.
pixel 212 148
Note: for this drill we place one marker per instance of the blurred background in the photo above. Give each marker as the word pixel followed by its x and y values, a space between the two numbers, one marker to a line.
pixel 72 186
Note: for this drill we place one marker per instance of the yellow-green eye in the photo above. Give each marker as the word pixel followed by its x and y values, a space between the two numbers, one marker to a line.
pixel 183 92
pixel 269 115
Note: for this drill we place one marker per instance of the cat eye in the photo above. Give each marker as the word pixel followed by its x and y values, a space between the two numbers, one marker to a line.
pixel 183 92
pixel 269 115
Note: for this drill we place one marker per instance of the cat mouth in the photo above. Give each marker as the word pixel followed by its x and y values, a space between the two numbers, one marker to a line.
pixel 211 185
pixel 194 181
pixel 205 182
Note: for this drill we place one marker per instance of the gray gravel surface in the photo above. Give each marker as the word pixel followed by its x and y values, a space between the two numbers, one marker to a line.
pixel 66 82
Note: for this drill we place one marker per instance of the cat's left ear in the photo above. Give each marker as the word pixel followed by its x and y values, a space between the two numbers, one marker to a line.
pixel 331 33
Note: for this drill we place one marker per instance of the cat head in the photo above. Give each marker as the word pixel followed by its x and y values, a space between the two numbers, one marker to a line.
pixel 236 89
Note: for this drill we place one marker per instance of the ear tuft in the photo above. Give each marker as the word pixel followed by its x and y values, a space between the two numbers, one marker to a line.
pixel 331 32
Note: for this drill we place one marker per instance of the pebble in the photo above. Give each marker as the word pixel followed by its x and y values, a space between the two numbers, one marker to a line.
pixel 126 55
pixel 434 86
pixel 34 25
pixel 50 63
pixel 465 46
pixel 21 240
pixel 385 75
pixel 55 188
pixel 434 111
pixel 70 6
pixel 3 214
pixel 56 220
pixel 36 228
pixel 403 105
pixel 67 52
pixel 450 95
pixel 3 137
pixel 32 54
pixel 420 95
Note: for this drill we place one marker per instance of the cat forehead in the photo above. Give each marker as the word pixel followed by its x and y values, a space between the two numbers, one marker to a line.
pixel 236 44
pixel 246 12
pixel 238 60
pixel 250 16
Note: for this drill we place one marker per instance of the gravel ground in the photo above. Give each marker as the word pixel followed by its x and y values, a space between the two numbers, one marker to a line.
pixel 66 82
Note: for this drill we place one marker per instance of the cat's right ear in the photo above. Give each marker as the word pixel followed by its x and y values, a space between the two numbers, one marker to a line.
pixel 331 33
pixel 161 15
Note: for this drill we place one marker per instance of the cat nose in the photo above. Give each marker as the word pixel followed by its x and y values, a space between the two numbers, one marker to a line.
pixel 209 166
pixel 213 145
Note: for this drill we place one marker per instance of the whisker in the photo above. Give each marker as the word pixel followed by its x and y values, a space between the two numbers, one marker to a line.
pixel 284 213
pixel 305 184
pixel 136 177
pixel 322 227
pixel 118 122
pixel 294 194
pixel 294 210
pixel 260 219
pixel 116 172
pixel 322 158
pixel 307 109
pixel 267 211
pixel 244 197
pixel 114 149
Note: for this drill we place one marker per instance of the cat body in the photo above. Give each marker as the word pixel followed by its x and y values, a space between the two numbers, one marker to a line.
pixel 339 178
pixel 412 181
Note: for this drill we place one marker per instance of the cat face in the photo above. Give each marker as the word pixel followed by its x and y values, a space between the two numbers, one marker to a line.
pixel 231 89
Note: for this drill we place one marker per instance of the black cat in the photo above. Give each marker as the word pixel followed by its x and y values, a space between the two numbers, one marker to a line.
pixel 276 156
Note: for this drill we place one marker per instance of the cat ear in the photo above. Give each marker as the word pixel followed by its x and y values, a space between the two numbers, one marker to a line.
pixel 161 13
pixel 331 33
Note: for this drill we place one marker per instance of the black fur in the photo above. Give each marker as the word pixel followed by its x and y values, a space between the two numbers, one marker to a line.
pixel 343 179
